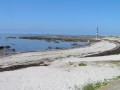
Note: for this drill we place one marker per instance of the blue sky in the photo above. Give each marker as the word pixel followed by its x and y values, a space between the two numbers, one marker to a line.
pixel 77 17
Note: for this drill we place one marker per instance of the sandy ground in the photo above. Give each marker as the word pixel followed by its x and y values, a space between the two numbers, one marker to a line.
pixel 33 57
pixel 63 73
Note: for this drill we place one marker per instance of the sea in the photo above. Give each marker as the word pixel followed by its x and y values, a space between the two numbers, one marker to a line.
pixel 18 45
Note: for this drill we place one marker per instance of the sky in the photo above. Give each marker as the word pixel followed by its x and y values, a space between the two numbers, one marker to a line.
pixel 71 17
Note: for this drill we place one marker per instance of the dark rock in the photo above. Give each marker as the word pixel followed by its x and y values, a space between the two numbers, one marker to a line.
pixel 7 46
pixel 56 41
pixel 49 47
pixel 74 44
pixel 12 37
pixel 1 47
pixel 58 48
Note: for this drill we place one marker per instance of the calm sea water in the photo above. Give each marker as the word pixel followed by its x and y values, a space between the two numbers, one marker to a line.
pixel 26 45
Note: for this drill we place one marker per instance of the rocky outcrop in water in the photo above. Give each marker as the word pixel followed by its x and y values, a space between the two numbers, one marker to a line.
pixel 61 38
pixel 4 47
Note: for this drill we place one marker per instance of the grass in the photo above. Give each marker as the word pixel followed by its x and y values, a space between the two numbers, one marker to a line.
pixel 118 77
pixel 89 87
pixel 82 64
pixel 95 86
pixel 98 84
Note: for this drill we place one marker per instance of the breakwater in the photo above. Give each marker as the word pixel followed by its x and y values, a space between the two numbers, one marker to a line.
pixel 62 38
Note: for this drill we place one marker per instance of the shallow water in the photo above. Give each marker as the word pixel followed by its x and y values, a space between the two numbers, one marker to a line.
pixel 26 45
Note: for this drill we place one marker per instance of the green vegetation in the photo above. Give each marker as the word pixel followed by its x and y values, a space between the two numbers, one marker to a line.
pixel 104 83
pixel 118 77
pixel 89 87
pixel 98 84
pixel 95 86
pixel 82 64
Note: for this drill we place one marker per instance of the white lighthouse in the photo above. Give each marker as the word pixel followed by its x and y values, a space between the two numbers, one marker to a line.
pixel 97 32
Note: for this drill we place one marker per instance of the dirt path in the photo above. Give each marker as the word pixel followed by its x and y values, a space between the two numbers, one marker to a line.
pixel 114 85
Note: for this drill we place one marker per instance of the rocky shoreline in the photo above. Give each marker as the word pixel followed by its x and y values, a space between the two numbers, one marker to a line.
pixel 114 51
pixel 59 69
pixel 47 58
